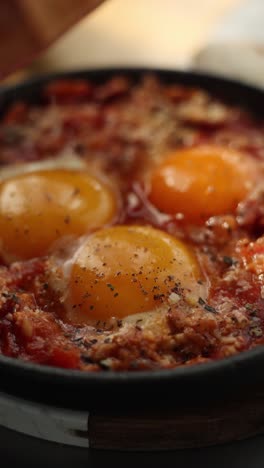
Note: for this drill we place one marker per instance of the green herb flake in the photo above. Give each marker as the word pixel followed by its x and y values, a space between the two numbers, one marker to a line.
pixel 201 301
pixel 229 260
pixel 210 309
pixel 207 307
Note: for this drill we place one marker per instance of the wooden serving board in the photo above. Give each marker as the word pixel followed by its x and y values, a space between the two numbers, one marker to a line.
pixel 141 430
pixel 185 427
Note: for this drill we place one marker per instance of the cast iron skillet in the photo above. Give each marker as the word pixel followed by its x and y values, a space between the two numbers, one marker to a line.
pixel 231 378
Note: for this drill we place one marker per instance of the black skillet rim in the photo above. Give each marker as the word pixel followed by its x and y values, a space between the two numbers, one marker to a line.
pixel 231 369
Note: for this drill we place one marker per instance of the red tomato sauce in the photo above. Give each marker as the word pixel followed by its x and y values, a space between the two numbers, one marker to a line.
pixel 122 127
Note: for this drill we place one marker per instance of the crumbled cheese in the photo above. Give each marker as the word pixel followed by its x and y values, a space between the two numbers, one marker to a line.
pixel 262 291
pixel 26 327
pixel 174 298
pixel 191 299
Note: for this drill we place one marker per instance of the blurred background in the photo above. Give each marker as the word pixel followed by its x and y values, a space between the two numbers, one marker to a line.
pixel 145 32
pixel 163 33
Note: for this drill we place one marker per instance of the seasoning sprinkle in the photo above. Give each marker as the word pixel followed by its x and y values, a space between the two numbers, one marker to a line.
pixel 206 307
pixel 229 260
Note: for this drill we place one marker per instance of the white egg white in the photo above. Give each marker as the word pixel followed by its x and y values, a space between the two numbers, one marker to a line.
pixel 67 160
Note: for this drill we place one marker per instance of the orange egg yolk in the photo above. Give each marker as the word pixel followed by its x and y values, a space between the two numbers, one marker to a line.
pixel 125 270
pixel 201 182
pixel 37 208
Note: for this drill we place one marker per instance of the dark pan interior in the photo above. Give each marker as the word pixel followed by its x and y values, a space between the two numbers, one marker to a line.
pixel 237 375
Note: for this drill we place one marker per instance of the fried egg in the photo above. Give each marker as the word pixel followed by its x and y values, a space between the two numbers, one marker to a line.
pixel 124 270
pixel 199 182
pixel 43 202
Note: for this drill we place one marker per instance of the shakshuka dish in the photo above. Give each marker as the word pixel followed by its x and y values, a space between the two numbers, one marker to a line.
pixel 131 227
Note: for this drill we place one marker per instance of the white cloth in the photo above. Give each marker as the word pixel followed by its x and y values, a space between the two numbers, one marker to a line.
pixel 236 48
